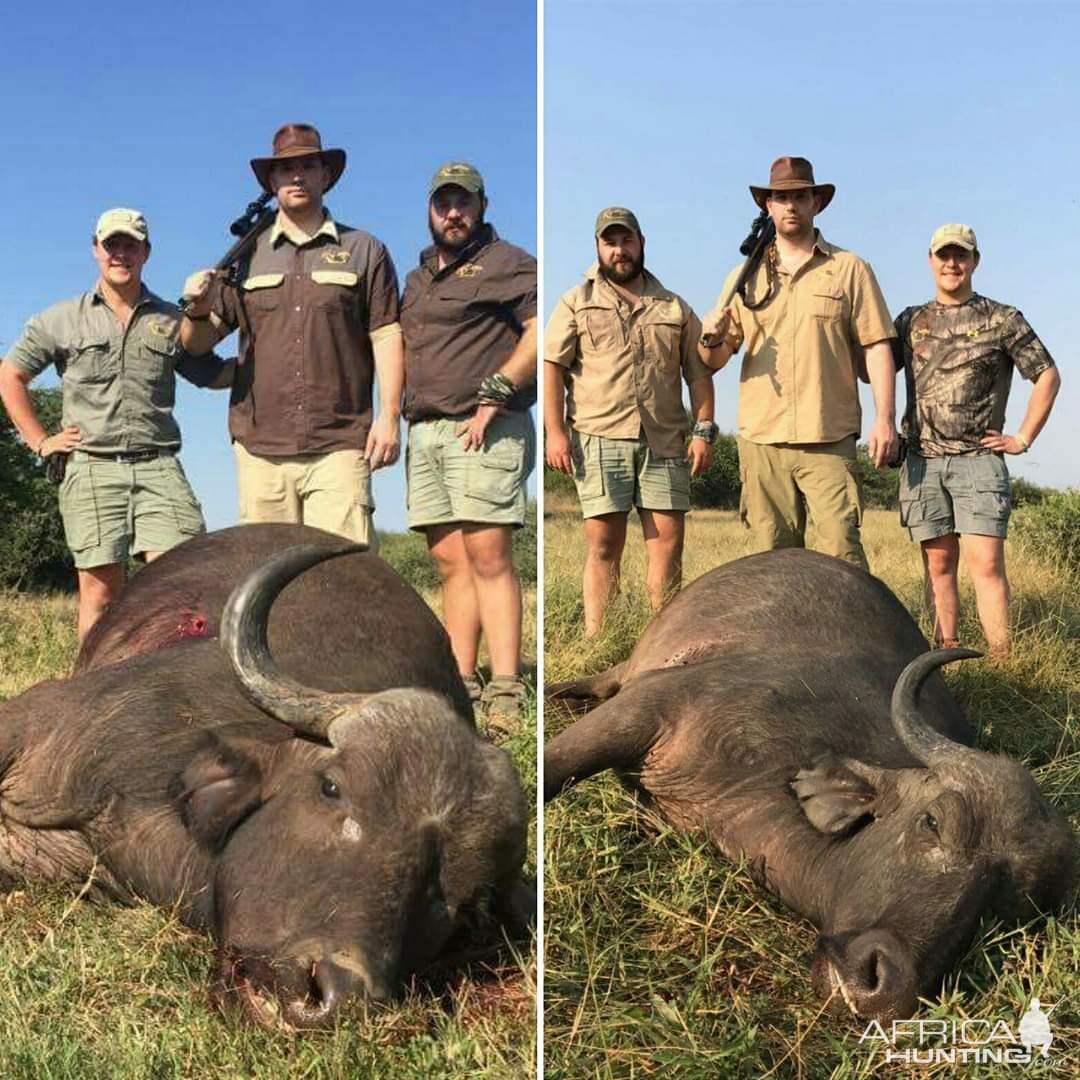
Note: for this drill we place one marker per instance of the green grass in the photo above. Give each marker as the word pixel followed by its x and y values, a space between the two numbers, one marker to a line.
pixel 662 959
pixel 91 991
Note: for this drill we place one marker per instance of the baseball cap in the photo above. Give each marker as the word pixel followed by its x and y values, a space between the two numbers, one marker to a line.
pixel 616 215
pixel 129 222
pixel 457 172
pixel 960 235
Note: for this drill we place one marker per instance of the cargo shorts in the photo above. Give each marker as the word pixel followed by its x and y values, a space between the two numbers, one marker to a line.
pixel 330 491
pixel 958 493
pixel 447 484
pixel 113 509
pixel 614 475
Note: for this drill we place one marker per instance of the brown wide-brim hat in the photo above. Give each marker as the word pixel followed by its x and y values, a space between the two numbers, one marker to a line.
pixel 293 141
pixel 791 174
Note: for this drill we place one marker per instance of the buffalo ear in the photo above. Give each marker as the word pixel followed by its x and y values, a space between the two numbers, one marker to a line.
pixel 833 797
pixel 219 788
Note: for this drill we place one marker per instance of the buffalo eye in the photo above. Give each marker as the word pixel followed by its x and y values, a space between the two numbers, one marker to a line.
pixel 330 788
pixel 930 823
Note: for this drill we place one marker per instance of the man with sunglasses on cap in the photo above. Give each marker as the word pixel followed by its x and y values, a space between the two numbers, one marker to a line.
pixel 117 352
pixel 958 352
pixel 616 351
pixel 812 322
pixel 317 309
pixel 469 320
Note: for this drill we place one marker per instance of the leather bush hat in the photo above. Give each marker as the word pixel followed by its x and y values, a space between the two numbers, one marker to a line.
pixel 298 140
pixel 791 174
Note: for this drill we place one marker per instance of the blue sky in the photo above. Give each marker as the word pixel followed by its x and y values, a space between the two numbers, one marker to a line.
pixel 161 107
pixel 920 114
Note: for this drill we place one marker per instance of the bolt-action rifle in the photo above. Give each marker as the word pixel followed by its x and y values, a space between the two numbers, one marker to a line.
pixel 254 220
pixel 754 247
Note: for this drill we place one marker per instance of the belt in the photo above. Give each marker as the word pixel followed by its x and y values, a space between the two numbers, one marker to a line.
pixel 126 457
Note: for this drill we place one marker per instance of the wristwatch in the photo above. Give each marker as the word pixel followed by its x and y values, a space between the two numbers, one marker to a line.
pixel 705 429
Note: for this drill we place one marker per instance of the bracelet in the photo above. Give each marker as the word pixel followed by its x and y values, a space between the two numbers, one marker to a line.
pixel 496 389
pixel 1023 442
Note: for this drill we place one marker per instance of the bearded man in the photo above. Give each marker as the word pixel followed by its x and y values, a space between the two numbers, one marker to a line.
pixel 469 319
pixel 614 350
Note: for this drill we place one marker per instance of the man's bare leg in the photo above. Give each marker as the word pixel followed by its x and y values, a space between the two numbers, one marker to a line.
pixel 98 587
pixel 461 615
pixel 663 531
pixel 605 538
pixel 498 593
pixel 941 564
pixel 984 557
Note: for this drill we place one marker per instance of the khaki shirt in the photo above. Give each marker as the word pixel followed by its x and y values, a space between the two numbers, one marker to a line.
pixel 798 382
pixel 118 383
pixel 314 304
pixel 623 365
pixel 461 324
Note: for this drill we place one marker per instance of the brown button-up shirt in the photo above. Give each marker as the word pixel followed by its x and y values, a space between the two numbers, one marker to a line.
pixel 798 382
pixel 313 306
pixel 118 382
pixel 462 323
pixel 623 364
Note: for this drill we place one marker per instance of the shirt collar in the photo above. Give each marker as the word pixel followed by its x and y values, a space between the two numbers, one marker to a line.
pixel 485 235
pixel 283 227
pixel 652 288
pixel 145 296
pixel 822 244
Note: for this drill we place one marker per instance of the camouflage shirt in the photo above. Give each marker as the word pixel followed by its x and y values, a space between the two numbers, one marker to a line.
pixel 958 362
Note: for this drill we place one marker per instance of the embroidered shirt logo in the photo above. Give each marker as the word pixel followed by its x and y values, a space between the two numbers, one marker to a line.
pixel 468 270
pixel 336 258
pixel 161 327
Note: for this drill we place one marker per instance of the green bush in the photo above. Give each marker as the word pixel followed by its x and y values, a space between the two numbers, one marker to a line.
pixel 1025 493
pixel 719 486
pixel 880 487
pixel 33 554
pixel 1050 528
pixel 558 483
pixel 407 553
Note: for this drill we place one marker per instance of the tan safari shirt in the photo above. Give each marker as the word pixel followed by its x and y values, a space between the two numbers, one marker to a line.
pixel 118 383
pixel 798 382
pixel 314 305
pixel 624 365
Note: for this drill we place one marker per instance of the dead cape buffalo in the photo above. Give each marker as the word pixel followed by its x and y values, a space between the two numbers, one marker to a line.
pixel 786 706
pixel 330 821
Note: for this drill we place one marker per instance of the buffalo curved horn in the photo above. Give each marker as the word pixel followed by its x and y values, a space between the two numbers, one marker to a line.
pixel 243 637
pixel 928 745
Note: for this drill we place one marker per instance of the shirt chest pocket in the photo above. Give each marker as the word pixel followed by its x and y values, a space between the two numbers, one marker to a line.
pixel 335 290
pixel 91 361
pixel 603 328
pixel 662 329
pixel 263 292
pixel 827 303
pixel 157 355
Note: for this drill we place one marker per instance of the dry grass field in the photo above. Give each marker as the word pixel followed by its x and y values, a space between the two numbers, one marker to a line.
pixel 664 960
pixel 97 992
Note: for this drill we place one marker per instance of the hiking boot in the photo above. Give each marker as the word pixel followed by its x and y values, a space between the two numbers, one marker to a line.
pixel 473 687
pixel 503 702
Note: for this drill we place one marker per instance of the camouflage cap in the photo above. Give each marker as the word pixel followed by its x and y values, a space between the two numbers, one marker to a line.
pixel 120 220
pixel 616 215
pixel 460 173
pixel 960 235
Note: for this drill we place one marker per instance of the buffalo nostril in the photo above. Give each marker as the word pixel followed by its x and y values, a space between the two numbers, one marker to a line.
pixel 874 974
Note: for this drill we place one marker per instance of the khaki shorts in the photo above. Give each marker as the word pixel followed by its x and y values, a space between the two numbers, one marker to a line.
pixel 326 491
pixel 446 484
pixel 783 485
pixel 614 475
pixel 114 509
pixel 963 493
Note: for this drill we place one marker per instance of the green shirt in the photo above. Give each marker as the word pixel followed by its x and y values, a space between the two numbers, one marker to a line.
pixel 119 383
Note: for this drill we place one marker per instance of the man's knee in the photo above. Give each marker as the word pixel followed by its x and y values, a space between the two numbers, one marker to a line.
pixel 489 552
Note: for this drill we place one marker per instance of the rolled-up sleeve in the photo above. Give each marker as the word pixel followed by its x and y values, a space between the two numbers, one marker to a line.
pixel 692 367
pixel 522 289
pixel 870 320
pixel 382 298
pixel 37 347
pixel 561 334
